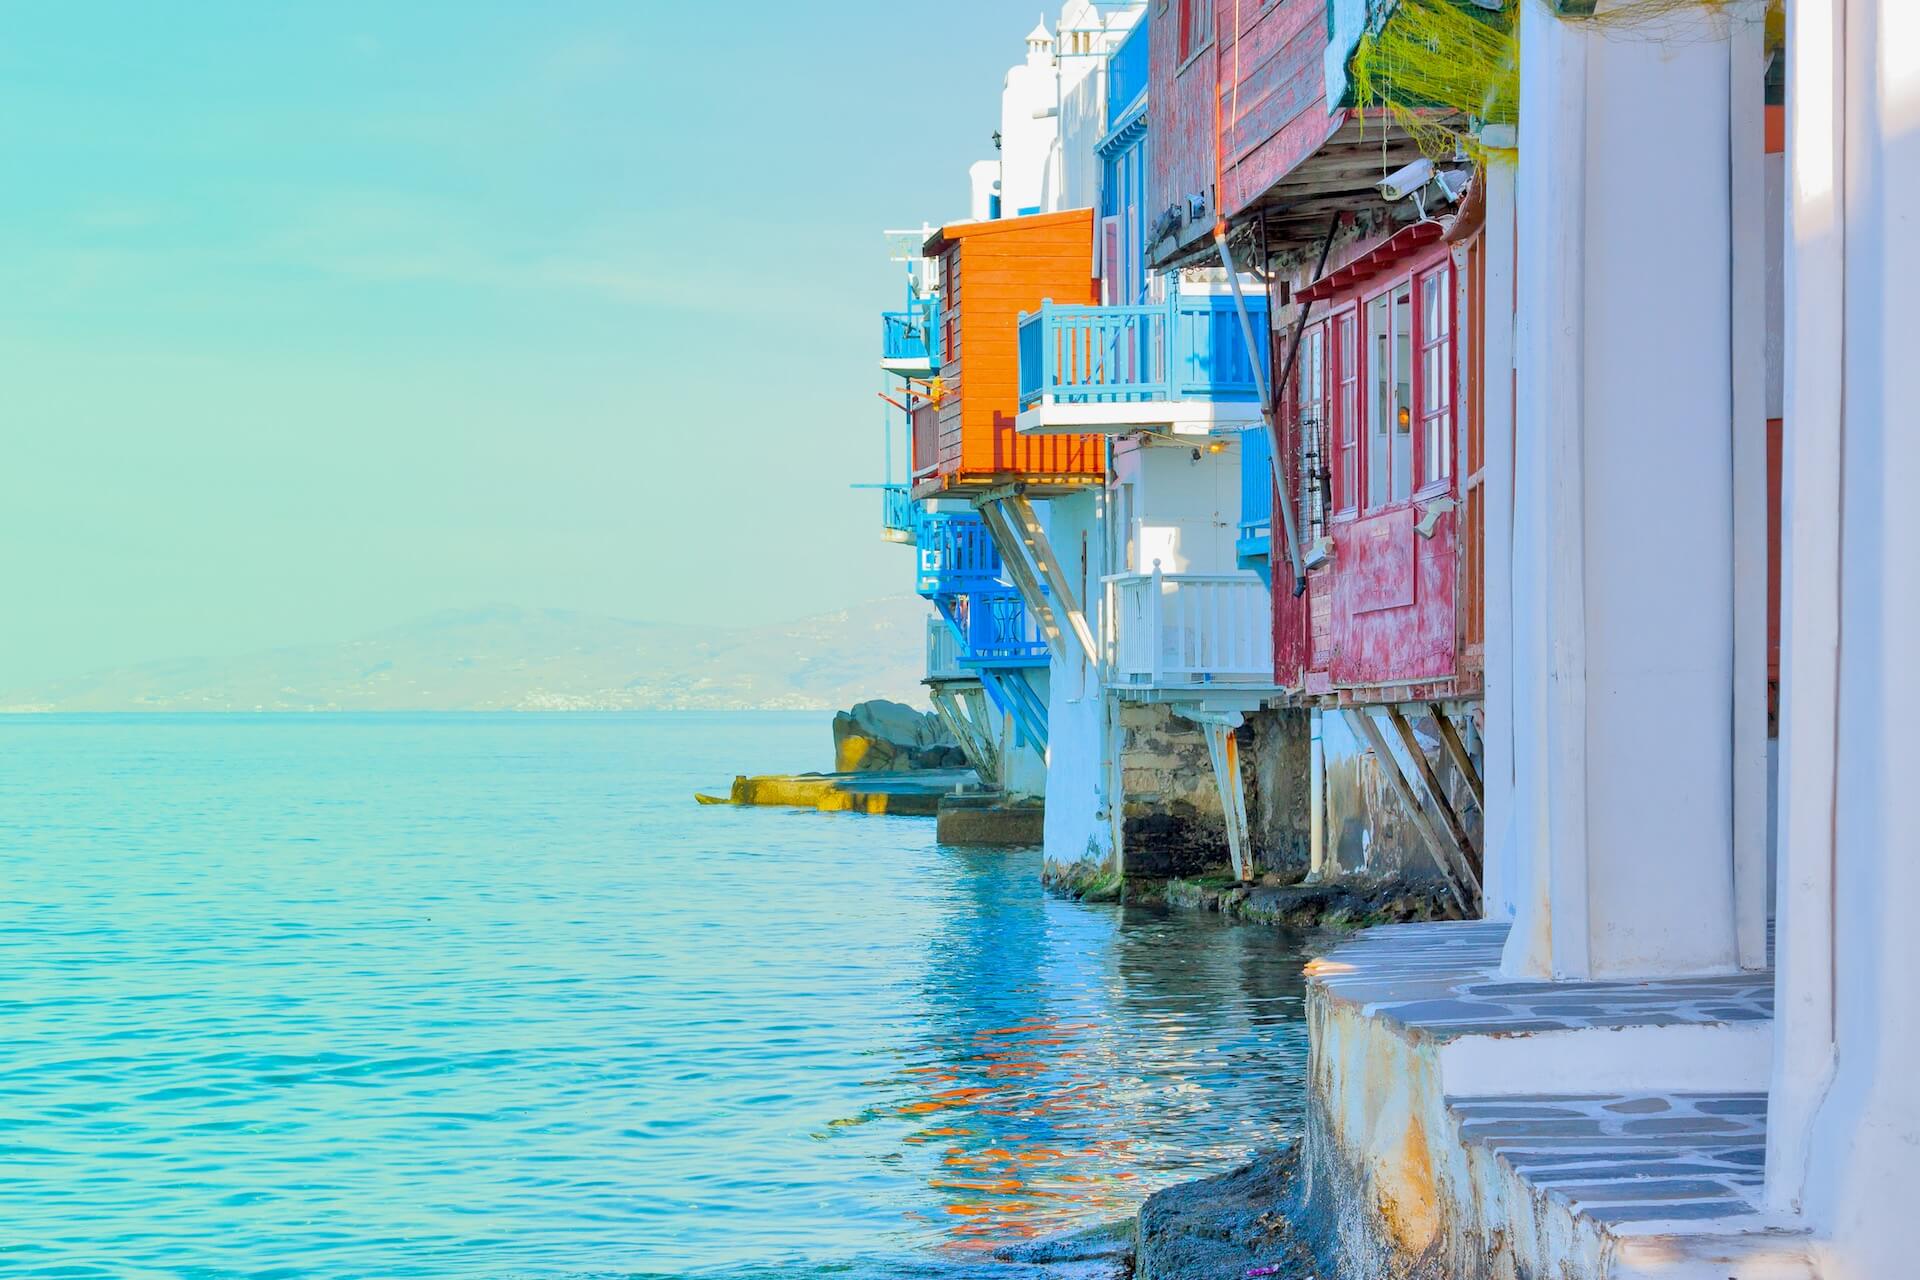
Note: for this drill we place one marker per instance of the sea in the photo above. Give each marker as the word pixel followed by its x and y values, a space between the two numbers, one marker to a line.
pixel 490 995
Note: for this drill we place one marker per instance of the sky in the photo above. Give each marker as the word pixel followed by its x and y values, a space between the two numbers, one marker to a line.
pixel 319 317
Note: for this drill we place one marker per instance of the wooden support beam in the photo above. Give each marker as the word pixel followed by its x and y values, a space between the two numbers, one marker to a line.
pixel 1363 724
pixel 1462 843
pixel 1025 581
pixel 1015 510
pixel 1457 752
pixel 1224 750
pixel 962 707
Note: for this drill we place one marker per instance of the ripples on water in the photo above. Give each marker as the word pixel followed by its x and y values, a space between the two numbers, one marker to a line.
pixel 489 996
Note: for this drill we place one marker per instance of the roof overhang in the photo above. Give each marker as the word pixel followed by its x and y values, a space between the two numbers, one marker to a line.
pixel 1341 175
pixel 1396 248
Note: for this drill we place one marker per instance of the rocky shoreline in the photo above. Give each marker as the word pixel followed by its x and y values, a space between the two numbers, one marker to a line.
pixel 1235 1225
pixel 1276 899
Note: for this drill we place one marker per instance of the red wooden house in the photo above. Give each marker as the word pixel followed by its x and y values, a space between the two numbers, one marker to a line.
pixel 1378 417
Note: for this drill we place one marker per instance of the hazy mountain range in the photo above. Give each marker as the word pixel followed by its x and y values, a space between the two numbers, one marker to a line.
pixel 505 658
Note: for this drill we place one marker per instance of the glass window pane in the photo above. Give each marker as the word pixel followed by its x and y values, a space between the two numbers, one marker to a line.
pixel 1402 393
pixel 1380 438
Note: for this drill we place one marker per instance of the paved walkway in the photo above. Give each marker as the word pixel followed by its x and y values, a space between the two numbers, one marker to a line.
pixel 1441 979
pixel 1637 1162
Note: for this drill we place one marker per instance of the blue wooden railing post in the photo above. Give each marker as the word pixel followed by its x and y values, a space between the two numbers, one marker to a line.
pixel 1048 365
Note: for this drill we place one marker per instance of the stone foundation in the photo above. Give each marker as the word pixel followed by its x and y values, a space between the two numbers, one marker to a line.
pixel 1368 833
pixel 1171 823
pixel 1276 749
pixel 990 820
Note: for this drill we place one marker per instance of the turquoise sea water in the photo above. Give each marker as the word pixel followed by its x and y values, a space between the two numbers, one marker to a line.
pixel 490 996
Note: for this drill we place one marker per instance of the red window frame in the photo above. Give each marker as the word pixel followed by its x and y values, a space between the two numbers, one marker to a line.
pixel 1312 412
pixel 1345 463
pixel 1193 34
pixel 1435 393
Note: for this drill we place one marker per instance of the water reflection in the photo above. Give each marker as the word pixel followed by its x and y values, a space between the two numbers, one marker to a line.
pixel 1074 1058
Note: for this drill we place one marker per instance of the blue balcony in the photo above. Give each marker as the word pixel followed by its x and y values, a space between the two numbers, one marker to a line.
pixel 997 632
pixel 1179 365
pixel 1255 543
pixel 898 512
pixel 910 340
pixel 1127 72
pixel 957 554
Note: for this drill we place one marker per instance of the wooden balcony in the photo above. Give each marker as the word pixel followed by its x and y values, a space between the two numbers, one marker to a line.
pixel 1188 630
pixel 910 340
pixel 1181 365
pixel 997 631
pixel 956 554
pixel 963 436
pixel 943 653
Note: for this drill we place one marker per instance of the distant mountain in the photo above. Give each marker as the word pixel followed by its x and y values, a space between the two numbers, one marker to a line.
pixel 505 658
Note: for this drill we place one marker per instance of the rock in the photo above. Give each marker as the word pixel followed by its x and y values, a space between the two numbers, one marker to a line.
pixel 1226 1226
pixel 882 735
pixel 1112 1240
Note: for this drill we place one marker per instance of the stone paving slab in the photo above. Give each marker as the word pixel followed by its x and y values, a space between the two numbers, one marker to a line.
pixel 1639 1163
pixel 1442 980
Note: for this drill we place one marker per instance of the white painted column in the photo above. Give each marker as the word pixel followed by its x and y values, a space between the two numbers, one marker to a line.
pixel 1623 520
pixel 1502 881
pixel 1809 591
pixel 1316 799
pixel 1749 317
pixel 1844 1123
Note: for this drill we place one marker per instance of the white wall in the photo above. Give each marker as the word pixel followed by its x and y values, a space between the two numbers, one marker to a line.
pixel 1186 511
pixel 983 184
pixel 1085 36
pixel 1028 126
pixel 1078 824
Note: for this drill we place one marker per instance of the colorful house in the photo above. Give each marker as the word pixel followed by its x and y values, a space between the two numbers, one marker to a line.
pixel 1371 253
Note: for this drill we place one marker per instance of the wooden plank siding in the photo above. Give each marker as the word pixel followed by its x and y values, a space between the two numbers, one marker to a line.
pixel 1266 78
pixel 990 273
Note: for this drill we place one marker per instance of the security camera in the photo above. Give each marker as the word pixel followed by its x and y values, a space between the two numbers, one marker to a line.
pixel 1402 183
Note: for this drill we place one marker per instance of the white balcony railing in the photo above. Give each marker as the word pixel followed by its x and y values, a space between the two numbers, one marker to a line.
pixel 943 653
pixel 1176 629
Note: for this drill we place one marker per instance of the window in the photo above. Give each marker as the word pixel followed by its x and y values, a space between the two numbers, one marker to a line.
pixel 1436 376
pixel 1390 393
pixel 1346 422
pixel 1194 16
pixel 1310 398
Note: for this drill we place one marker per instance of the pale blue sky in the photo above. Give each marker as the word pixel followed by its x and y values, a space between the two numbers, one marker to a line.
pixel 315 317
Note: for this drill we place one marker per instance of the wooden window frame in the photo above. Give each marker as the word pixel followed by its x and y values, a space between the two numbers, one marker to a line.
pixel 1344 411
pixel 1435 424
pixel 1193 31
pixel 1352 465
pixel 1316 354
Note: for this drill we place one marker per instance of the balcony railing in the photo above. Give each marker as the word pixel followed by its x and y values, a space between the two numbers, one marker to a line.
pixel 910 339
pixel 1188 351
pixel 898 512
pixel 957 554
pixel 1000 632
pixel 943 653
pixel 1256 495
pixel 1127 71
pixel 1168 629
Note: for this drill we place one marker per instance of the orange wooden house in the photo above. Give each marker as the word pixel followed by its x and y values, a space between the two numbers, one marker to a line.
pixel 963 433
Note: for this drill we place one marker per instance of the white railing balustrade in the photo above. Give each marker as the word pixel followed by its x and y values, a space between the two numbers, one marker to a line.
pixel 1188 628
pixel 943 653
